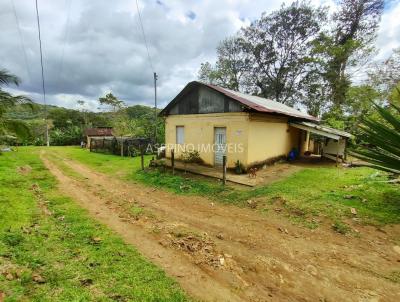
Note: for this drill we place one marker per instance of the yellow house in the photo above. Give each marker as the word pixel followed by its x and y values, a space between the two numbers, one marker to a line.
pixel 252 130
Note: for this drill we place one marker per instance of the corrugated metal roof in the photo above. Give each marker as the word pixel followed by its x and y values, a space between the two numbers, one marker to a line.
pixel 320 128
pixel 100 131
pixel 249 101
pixel 261 104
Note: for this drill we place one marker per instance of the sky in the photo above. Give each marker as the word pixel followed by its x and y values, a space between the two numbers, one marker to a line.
pixel 91 48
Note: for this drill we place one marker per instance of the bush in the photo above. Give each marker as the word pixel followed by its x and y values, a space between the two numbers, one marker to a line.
pixel 191 157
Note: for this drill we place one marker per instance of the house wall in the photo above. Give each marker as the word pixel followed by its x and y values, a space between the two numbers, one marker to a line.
pixel 199 130
pixel 270 137
pixel 256 137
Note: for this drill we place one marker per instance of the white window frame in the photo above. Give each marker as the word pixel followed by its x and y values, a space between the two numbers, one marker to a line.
pixel 180 140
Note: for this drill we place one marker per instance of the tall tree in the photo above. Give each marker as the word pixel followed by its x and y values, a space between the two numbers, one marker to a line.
pixel 110 100
pixel 230 67
pixel 386 75
pixel 350 38
pixel 278 49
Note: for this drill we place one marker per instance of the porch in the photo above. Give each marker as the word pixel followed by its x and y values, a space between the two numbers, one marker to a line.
pixel 265 175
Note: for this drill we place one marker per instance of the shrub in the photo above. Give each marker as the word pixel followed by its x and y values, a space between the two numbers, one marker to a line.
pixel 191 157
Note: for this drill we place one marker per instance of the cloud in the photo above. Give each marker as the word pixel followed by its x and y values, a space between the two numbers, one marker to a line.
pixel 389 31
pixel 92 47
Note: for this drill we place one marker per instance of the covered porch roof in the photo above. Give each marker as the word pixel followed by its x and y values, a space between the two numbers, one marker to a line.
pixel 321 130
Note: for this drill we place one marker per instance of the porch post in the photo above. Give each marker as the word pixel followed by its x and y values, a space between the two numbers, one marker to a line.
pixel 173 161
pixel 224 169
pixel 337 152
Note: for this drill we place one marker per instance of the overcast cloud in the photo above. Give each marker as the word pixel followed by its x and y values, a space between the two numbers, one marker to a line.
pixel 93 47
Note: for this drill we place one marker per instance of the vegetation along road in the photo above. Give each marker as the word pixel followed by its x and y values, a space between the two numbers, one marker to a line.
pixel 254 245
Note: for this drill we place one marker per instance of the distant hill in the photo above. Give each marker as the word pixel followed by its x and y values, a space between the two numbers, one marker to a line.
pixel 67 125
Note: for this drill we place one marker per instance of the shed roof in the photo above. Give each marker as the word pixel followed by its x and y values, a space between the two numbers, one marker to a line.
pixel 252 102
pixel 99 131
pixel 321 130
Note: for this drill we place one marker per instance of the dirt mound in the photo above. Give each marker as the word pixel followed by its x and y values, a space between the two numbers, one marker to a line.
pixel 24 170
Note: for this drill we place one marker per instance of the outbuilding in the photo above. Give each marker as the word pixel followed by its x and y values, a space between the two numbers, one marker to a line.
pixel 248 129
pixel 96 133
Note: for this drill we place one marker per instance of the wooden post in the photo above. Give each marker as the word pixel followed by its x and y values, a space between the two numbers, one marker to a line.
pixel 122 147
pixel 337 153
pixel 224 170
pixel 173 161
pixel 142 157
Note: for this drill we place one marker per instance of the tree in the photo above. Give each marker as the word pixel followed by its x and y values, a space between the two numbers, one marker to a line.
pixel 138 121
pixel 63 118
pixel 110 100
pixel 386 75
pixel 278 49
pixel 382 138
pixel 350 38
pixel 230 67
pixel 208 74
pixel 7 101
pixel 84 112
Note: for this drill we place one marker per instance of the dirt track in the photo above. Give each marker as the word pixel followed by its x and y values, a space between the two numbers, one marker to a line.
pixel 224 253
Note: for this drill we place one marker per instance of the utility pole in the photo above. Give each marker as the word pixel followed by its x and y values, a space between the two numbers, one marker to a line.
pixel 155 107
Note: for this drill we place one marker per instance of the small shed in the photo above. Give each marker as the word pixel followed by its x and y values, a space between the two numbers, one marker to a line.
pixel 96 133
pixel 334 141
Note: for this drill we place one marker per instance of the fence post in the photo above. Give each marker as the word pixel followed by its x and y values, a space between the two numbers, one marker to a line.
pixel 141 157
pixel 224 169
pixel 173 161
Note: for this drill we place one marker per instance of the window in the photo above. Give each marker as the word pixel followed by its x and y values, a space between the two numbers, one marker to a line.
pixel 180 134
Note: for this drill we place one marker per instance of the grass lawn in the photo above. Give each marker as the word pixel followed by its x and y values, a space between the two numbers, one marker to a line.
pixel 308 196
pixel 50 250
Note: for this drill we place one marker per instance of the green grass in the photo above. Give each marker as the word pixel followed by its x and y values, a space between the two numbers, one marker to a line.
pixel 60 249
pixel 308 196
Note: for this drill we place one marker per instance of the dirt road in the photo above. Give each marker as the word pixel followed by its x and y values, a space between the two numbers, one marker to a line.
pixel 225 253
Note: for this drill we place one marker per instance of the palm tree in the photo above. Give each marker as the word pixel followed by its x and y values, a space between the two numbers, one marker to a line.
pixel 10 127
pixel 383 140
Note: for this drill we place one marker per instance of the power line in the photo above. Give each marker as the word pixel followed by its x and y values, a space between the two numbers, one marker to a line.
pixel 66 35
pixel 144 36
pixel 41 64
pixel 152 68
pixel 21 40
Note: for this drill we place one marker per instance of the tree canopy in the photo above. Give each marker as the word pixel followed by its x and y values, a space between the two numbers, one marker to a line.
pixel 300 55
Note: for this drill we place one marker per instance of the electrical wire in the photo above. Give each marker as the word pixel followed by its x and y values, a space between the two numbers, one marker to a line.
pixel 144 36
pixel 41 64
pixel 21 40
